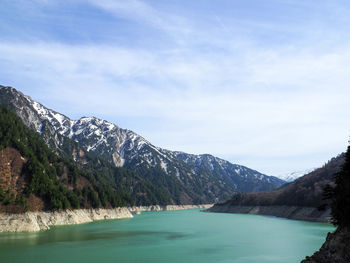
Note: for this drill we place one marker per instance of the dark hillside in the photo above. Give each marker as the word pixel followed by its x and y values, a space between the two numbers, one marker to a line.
pixel 337 245
pixel 306 191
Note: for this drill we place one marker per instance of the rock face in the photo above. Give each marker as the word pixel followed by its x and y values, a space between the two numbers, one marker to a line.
pixel 290 212
pixel 36 221
pixel 336 249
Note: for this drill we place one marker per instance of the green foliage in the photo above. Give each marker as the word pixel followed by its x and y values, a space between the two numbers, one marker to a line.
pixel 50 177
pixel 63 182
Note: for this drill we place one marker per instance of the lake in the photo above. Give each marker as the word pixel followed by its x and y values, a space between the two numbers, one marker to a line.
pixel 170 236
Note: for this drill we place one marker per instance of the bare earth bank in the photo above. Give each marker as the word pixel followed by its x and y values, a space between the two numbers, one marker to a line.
pixel 36 221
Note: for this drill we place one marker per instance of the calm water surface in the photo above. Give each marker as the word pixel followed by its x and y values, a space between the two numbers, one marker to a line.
pixel 171 236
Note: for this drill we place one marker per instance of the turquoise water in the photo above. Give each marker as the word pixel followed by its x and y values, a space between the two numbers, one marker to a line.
pixel 171 236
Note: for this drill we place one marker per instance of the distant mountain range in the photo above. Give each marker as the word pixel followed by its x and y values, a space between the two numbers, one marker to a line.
pixel 185 178
pixel 290 177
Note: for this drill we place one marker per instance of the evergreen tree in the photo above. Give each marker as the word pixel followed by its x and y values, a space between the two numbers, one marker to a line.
pixel 62 183
pixel 341 194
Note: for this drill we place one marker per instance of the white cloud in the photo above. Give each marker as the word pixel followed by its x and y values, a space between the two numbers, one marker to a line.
pixel 143 13
pixel 282 104
pixel 217 92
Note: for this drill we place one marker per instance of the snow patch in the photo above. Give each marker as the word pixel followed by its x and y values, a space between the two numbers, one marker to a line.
pixel 177 173
pixel 164 166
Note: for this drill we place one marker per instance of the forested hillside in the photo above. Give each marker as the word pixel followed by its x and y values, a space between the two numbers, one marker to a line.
pixel 180 178
pixel 307 191
pixel 336 248
pixel 33 177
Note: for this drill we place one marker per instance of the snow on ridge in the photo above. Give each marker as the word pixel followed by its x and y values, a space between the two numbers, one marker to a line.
pixel 126 141
pixel 290 177
pixel 59 117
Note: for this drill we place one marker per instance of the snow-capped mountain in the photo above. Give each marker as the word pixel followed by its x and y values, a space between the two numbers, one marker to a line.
pixel 290 177
pixel 190 178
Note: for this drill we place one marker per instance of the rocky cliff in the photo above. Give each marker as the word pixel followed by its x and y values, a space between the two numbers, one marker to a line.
pixel 336 249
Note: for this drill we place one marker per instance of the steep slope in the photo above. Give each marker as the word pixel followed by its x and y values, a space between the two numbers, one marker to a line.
pixel 305 192
pixel 33 177
pixel 187 178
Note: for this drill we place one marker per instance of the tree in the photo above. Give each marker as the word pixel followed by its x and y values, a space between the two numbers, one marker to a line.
pixel 341 196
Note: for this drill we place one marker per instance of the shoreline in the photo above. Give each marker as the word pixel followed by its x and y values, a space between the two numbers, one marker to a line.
pixel 139 209
pixel 311 214
pixel 42 220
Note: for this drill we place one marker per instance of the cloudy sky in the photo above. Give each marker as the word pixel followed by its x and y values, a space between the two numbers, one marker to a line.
pixel 263 83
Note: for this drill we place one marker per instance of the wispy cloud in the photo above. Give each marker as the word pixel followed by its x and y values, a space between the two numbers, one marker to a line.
pixel 143 13
pixel 216 89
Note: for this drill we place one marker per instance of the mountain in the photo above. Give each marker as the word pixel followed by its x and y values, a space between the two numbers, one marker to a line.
pixel 301 199
pixel 187 178
pixel 290 177
pixel 33 177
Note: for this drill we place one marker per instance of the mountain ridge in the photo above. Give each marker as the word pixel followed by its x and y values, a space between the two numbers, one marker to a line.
pixel 190 178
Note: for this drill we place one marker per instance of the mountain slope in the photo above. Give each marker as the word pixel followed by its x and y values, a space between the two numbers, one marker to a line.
pixel 307 191
pixel 34 177
pixel 337 245
pixel 187 178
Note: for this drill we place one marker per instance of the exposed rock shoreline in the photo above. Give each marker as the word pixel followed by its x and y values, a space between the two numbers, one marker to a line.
pixel 36 221
pixel 336 248
pixel 290 212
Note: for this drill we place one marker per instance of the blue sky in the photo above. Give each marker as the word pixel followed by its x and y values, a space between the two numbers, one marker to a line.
pixel 265 84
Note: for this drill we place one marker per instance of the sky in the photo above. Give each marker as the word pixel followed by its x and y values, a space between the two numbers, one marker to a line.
pixel 261 83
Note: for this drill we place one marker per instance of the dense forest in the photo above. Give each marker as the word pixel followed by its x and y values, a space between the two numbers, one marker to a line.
pixel 61 183
pixel 340 195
